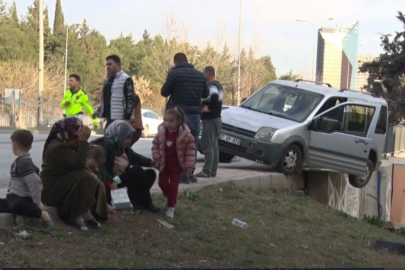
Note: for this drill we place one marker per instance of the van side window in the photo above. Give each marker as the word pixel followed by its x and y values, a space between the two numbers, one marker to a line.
pixel 330 103
pixel 350 119
pixel 381 127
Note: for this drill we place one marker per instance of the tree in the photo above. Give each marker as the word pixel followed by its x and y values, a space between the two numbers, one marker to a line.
pixel 13 15
pixel 386 73
pixel 290 76
pixel 59 20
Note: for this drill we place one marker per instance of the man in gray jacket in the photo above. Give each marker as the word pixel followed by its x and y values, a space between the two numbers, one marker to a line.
pixel 117 100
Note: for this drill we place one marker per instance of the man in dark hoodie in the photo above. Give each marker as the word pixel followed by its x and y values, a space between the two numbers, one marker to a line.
pixel 186 87
pixel 211 125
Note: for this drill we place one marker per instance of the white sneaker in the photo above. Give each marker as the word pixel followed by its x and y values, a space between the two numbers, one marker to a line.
pixel 170 212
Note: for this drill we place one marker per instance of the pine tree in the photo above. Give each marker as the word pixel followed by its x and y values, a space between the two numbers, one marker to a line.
pixel 13 14
pixel 59 21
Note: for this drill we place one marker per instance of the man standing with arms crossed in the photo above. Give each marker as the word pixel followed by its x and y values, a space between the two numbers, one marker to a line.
pixel 186 87
pixel 75 99
pixel 117 100
pixel 211 125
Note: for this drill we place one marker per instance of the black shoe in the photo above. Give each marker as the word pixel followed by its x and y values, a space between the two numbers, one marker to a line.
pixel 193 178
pixel 153 208
pixel 93 223
pixel 184 179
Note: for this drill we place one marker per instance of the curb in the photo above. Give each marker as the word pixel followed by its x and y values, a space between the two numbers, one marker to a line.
pixel 42 132
pixel 257 182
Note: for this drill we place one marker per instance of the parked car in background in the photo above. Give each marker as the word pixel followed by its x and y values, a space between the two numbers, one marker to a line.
pixel 151 121
pixel 223 157
pixel 294 126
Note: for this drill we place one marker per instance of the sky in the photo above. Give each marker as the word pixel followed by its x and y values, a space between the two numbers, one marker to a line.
pixel 268 26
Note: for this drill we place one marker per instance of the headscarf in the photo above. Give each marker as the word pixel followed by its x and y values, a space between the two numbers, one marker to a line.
pixel 64 130
pixel 117 132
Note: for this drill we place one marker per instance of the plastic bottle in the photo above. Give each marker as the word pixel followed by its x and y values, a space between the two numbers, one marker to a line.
pixel 240 224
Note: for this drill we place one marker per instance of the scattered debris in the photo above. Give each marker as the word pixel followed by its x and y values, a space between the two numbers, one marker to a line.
pixel 69 233
pixel 23 235
pixel 239 223
pixel 202 261
pixel 39 244
pixel 273 245
pixel 165 224
pixel 1 243
pixel 304 246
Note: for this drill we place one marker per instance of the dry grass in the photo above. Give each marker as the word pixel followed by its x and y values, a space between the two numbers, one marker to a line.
pixel 287 230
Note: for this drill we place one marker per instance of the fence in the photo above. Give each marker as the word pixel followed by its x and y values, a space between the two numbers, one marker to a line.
pixel 24 113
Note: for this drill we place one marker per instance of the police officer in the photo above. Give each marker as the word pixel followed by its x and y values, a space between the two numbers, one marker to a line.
pixel 75 99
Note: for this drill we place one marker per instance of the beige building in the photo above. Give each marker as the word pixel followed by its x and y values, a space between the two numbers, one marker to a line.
pixel 361 80
pixel 336 61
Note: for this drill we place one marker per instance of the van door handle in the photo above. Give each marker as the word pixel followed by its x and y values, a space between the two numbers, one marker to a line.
pixel 362 141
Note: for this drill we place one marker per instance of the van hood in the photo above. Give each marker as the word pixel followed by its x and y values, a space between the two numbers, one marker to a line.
pixel 251 120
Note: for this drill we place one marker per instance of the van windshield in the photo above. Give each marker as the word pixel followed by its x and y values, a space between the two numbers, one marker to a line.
pixel 284 101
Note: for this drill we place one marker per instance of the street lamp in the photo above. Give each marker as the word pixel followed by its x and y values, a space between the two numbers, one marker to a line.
pixel 315 26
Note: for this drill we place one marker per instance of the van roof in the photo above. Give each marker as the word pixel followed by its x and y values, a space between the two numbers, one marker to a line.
pixel 333 92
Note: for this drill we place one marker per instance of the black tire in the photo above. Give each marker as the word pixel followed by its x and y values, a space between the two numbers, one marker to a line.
pixel 361 181
pixel 225 157
pixel 290 161
pixel 145 132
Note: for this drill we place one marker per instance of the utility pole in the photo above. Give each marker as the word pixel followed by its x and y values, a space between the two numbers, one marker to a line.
pixel 239 40
pixel 66 57
pixel 41 63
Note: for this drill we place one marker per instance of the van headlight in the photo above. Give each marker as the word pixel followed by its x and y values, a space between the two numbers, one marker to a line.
pixel 265 134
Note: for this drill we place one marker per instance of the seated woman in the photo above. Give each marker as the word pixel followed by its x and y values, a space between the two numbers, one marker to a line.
pixel 123 162
pixel 68 183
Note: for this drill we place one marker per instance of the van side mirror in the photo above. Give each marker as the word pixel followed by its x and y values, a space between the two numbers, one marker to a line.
pixel 243 99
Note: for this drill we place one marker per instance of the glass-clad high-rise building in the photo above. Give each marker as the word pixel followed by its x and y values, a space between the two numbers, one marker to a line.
pixel 337 56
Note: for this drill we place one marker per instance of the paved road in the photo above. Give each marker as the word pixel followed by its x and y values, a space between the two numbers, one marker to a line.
pixel 143 146
pixel 226 171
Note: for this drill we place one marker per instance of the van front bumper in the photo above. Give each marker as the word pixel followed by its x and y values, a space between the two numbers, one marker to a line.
pixel 250 148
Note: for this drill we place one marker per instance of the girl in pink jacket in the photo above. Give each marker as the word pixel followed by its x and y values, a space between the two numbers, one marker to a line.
pixel 173 149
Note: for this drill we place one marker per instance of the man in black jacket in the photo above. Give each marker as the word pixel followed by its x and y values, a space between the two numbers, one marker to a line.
pixel 117 100
pixel 186 87
pixel 211 125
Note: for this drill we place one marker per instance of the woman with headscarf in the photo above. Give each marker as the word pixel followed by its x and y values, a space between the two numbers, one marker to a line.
pixel 123 162
pixel 68 183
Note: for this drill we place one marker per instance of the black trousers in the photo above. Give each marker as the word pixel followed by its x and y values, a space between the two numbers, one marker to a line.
pixel 138 182
pixel 23 206
pixel 135 137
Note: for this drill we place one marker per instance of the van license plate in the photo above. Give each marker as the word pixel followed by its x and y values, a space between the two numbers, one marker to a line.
pixel 229 139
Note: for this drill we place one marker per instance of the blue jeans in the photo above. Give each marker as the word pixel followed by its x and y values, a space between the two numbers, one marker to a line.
pixel 193 122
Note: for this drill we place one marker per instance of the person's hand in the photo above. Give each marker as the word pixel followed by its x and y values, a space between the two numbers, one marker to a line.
pixel 67 103
pixel 94 116
pixel 114 186
pixel 206 109
pixel 189 171
pixel 84 133
pixel 155 164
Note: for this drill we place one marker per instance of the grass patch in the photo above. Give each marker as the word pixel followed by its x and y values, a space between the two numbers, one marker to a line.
pixel 286 230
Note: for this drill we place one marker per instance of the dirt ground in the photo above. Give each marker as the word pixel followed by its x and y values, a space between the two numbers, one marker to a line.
pixel 286 230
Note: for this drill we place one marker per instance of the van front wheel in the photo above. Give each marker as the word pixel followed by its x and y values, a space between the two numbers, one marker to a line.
pixel 290 160
pixel 362 180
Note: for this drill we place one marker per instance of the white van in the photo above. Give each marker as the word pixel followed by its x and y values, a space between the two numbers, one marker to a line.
pixel 295 126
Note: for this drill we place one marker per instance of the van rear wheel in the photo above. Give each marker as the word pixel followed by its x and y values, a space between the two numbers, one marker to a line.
pixel 362 180
pixel 290 160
